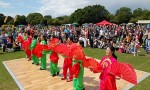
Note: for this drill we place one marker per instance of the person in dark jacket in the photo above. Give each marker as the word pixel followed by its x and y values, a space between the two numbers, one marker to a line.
pixel 4 42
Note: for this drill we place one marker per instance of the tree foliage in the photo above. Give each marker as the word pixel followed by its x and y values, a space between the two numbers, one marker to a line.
pixel 34 18
pixel 89 14
pixel 2 17
pixel 46 20
pixel 61 20
pixel 140 14
pixel 20 20
pixel 123 15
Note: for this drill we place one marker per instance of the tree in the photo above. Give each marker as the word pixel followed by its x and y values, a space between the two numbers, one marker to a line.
pixel 9 20
pixel 89 14
pixel 46 20
pixel 56 21
pixel 2 17
pixel 66 19
pixel 140 14
pixel 123 15
pixel 137 12
pixel 34 18
pixel 20 20
pixel 146 14
pixel 111 17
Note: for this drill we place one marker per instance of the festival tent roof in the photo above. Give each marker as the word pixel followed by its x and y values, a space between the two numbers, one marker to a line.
pixel 104 22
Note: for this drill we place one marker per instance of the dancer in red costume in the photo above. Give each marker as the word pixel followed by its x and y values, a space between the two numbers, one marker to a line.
pixel 107 80
pixel 67 65
pixel 54 64
pixel 27 49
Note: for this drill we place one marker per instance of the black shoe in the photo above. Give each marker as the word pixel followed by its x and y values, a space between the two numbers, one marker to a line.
pixel 37 64
pixel 69 80
pixel 42 69
pixel 53 75
pixel 33 63
pixel 63 78
pixel 57 73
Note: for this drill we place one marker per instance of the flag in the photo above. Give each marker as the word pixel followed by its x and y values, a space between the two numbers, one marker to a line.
pixel 5 19
pixel 15 18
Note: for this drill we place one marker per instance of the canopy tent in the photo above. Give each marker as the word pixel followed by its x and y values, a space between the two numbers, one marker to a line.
pixel 104 22
pixel 75 24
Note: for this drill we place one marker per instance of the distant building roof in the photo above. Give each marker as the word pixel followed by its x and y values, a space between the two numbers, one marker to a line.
pixel 143 21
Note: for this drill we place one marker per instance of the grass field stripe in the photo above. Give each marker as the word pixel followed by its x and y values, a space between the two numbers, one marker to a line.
pixel 13 76
pixel 130 86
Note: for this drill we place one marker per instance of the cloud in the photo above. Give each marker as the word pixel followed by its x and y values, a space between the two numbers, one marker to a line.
pixel 61 7
pixel 4 4
pixel 66 7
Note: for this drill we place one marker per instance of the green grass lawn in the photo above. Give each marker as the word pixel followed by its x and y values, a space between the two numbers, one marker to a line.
pixel 6 81
pixel 141 62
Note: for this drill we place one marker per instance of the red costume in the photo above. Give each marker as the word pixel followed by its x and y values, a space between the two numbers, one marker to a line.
pixel 54 64
pixel 107 81
pixel 54 57
pixel 67 65
pixel 27 49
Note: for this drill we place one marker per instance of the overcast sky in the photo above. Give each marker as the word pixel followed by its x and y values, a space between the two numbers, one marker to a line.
pixel 57 8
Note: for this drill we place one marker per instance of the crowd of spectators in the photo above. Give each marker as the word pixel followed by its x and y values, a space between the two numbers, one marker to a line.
pixel 126 38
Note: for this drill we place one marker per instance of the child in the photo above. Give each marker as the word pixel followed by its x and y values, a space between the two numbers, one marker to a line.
pixel 121 48
pixel 33 44
pixel 78 78
pixel 43 58
pixel 54 64
pixel 136 46
pixel 27 49
pixel 67 65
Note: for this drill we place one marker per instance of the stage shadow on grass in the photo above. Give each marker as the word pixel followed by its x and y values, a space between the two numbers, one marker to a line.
pixel 142 55
pixel 91 80
pixel 87 87
pixel 94 85
pixel 1 53
pixel 60 74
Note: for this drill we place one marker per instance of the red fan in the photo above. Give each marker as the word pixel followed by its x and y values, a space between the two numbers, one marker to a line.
pixel 19 38
pixel 53 43
pixel 77 52
pixel 58 48
pixel 74 45
pixel 23 44
pixel 37 51
pixel 124 71
pixel 86 63
pixel 76 69
pixel 65 50
pixel 95 65
pixel 61 49
pixel 27 45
